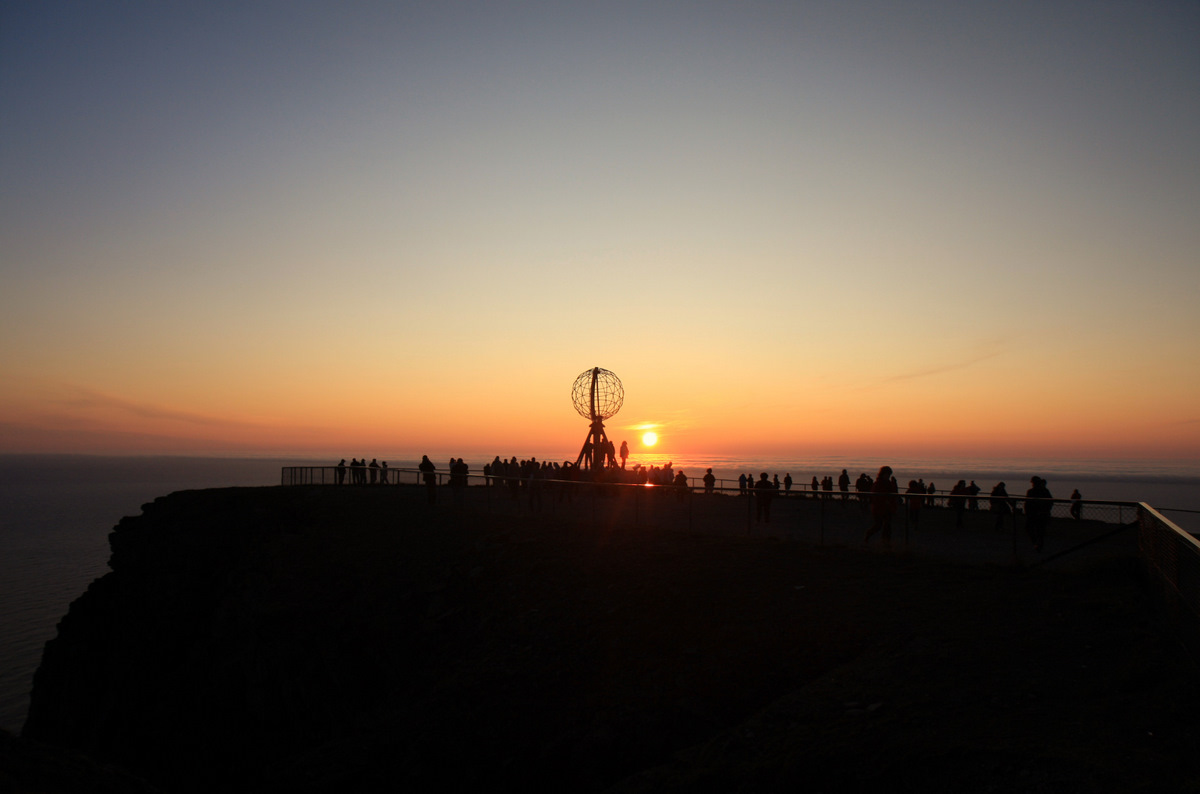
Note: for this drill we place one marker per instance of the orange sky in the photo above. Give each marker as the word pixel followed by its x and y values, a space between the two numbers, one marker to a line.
pixel 940 229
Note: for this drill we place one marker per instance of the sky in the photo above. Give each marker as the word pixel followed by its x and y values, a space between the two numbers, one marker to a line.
pixel 921 228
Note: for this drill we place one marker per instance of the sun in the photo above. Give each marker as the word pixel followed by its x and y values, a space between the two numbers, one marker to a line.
pixel 649 439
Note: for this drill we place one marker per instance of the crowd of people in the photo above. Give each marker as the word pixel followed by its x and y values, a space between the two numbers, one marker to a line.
pixel 359 472
pixel 881 493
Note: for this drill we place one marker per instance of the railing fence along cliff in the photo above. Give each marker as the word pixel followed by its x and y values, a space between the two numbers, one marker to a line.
pixel 1171 558
pixel 813 509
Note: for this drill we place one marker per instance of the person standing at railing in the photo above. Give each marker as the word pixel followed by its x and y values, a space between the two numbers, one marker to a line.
pixel 883 505
pixel 972 494
pixel 863 486
pixel 764 492
pixel 624 452
pixel 958 501
pixel 383 473
pixel 429 477
pixel 341 472
pixel 709 482
pixel 1037 511
pixel 459 473
pixel 374 470
pixel 1076 505
pixel 1001 505
pixel 681 485
pixel 914 502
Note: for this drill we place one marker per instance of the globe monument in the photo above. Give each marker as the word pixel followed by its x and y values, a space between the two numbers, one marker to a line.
pixel 597 395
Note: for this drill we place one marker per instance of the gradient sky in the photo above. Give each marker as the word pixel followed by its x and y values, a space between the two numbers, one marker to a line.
pixel 922 228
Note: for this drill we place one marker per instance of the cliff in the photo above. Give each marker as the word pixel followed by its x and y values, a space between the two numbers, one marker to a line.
pixel 284 639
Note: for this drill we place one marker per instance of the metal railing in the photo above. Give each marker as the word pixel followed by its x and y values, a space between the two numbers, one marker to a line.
pixel 822 517
pixel 1171 559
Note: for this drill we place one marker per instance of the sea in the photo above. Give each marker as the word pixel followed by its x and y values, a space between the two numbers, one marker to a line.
pixel 56 513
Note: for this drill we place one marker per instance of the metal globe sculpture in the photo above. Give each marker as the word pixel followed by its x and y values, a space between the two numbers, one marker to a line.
pixel 597 395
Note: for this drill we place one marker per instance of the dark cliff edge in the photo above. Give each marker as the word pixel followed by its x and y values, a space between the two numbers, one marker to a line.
pixel 292 639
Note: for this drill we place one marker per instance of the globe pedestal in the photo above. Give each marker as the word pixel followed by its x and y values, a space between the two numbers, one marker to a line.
pixel 596 452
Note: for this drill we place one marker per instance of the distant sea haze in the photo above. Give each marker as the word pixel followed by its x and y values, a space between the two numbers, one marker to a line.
pixel 56 512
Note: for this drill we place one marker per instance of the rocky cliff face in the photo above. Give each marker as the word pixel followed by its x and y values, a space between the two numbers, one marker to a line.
pixel 238 628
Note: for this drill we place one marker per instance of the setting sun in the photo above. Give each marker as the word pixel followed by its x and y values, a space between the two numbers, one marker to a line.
pixel 649 439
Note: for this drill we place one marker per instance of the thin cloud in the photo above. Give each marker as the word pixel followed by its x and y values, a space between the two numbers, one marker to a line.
pixel 676 420
pixel 87 400
pixel 926 373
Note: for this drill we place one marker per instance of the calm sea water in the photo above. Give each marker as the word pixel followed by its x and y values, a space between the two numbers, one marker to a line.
pixel 56 513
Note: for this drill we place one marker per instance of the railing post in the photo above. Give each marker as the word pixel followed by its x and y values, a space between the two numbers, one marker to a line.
pixel 691 496
pixel 1016 560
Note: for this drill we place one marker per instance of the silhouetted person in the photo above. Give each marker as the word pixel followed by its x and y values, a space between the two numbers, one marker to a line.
pixel 1076 505
pixel 374 471
pixel 972 491
pixel 787 482
pixel 741 485
pixel 681 485
pixel 341 472
pixel 429 477
pixel 914 502
pixel 883 505
pixel 1001 505
pixel 764 491
pixel 383 473
pixel 958 501
pixel 624 452
pixel 459 472
pixel 844 484
pixel 1037 512
pixel 931 490
pixel 816 486
pixel 709 481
